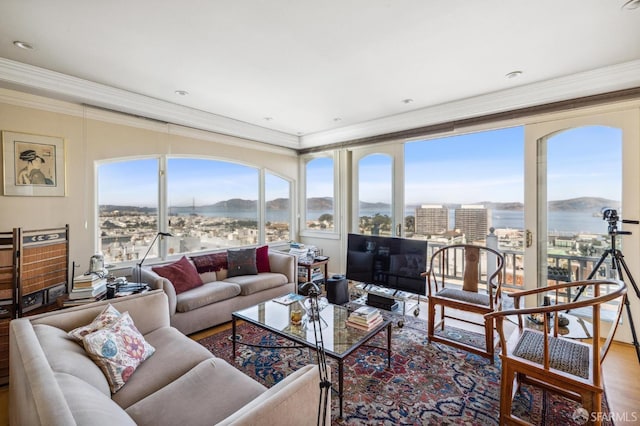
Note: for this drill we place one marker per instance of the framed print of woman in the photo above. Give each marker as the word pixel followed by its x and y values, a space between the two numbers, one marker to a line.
pixel 34 165
pixel 32 173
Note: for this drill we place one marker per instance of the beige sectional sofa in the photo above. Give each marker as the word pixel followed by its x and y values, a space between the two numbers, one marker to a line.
pixel 212 303
pixel 54 382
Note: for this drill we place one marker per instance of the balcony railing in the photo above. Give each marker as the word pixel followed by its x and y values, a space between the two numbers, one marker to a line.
pixel 561 268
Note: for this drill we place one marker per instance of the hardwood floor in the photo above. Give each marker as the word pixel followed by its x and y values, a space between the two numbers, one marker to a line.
pixel 621 375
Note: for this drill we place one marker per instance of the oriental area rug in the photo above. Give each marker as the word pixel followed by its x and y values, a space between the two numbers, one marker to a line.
pixel 428 383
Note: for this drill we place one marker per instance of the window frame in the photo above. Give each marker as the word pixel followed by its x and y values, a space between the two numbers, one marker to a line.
pixel 163 201
pixel 304 231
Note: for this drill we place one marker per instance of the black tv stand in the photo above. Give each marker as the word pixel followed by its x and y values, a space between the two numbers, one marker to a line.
pixel 396 301
pixel 382 302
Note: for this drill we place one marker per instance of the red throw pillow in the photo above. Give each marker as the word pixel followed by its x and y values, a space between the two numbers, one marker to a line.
pixel 262 259
pixel 182 275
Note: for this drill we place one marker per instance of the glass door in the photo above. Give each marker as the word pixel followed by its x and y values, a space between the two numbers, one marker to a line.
pixel 581 179
pixel 377 204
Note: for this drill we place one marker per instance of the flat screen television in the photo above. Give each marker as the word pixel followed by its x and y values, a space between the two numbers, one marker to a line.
pixel 387 262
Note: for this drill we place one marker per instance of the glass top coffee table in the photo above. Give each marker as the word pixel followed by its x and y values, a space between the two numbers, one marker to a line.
pixel 340 340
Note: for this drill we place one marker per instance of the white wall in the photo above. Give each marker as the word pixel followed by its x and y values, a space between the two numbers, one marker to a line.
pixel 93 135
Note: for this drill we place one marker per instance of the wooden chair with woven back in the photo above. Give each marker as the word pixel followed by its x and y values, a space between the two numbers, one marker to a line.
pixel 537 356
pixel 471 298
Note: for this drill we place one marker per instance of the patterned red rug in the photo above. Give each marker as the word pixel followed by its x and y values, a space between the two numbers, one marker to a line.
pixel 427 383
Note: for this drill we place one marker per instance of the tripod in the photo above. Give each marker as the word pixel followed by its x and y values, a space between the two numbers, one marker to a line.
pixel 617 264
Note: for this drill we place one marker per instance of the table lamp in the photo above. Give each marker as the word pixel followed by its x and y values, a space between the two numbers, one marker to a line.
pixel 163 234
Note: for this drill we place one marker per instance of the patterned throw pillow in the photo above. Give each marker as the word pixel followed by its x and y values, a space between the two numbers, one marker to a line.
pixel 108 316
pixel 242 262
pixel 210 262
pixel 182 275
pixel 262 259
pixel 118 350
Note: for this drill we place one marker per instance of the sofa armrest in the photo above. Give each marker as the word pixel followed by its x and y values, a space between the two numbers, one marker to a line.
pixel 155 281
pixel 293 401
pixel 283 263
pixel 34 395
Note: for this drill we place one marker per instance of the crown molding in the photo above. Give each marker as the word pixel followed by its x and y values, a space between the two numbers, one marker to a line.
pixel 190 132
pixel 73 89
pixel 601 80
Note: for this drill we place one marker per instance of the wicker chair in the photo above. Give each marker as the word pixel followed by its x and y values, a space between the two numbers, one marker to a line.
pixel 470 298
pixel 542 358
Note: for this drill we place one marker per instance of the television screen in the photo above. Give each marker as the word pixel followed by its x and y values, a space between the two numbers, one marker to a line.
pixel 387 262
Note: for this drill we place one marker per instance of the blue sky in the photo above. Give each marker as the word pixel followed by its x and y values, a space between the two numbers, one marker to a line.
pixel 489 166
pixel 459 169
pixel 204 181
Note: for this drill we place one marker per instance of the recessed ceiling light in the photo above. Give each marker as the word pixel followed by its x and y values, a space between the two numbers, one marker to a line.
pixel 337 119
pixel 513 74
pixel 268 118
pixel 23 45
pixel 407 101
pixel 182 92
pixel 631 4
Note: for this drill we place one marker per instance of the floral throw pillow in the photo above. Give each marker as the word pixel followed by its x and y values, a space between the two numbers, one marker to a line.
pixel 108 316
pixel 118 350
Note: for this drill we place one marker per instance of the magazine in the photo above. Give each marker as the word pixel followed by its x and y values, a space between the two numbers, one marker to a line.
pixel 288 299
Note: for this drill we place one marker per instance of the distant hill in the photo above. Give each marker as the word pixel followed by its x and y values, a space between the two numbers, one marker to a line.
pixel 320 203
pixel 583 204
pixel 592 204
pixel 586 204
pixel 233 204
pixel 372 206
pixel 278 204
pixel 122 209
pixel 513 206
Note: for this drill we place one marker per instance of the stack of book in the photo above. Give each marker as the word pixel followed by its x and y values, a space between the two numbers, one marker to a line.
pixel 86 289
pixel 365 318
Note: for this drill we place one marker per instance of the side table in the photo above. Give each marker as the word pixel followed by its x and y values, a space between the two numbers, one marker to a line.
pixel 310 265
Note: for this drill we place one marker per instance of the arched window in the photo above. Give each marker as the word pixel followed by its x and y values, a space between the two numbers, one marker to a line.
pixel 320 206
pixel 205 204
pixel 127 209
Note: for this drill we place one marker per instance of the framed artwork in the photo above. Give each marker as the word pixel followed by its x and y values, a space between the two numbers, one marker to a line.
pixel 33 165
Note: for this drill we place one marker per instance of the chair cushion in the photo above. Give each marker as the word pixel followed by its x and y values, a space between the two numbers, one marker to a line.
pixel 464 296
pixel 250 284
pixel 224 388
pixel 174 356
pixel 565 355
pixel 88 405
pixel 206 294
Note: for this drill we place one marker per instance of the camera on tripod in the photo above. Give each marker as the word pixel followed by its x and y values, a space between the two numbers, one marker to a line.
pixel 610 215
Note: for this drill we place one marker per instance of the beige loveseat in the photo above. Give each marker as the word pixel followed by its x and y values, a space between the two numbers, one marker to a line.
pixel 212 303
pixel 54 382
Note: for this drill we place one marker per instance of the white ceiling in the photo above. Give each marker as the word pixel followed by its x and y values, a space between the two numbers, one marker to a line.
pixel 299 73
